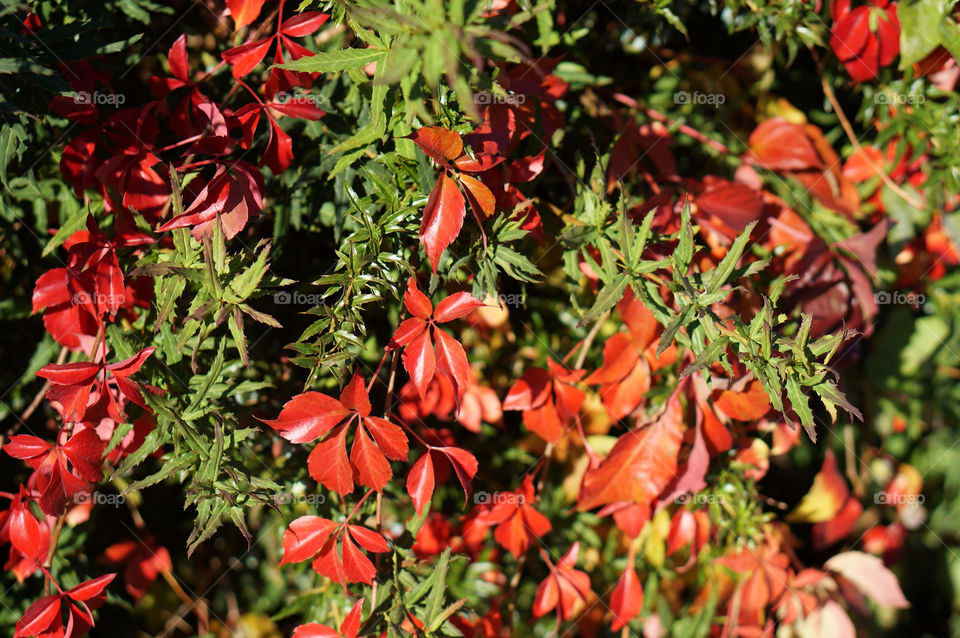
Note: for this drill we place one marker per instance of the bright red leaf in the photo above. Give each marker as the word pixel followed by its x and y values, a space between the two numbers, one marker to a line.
pixel 312 415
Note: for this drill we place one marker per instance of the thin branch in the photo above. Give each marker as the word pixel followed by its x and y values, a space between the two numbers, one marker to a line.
pixel 848 129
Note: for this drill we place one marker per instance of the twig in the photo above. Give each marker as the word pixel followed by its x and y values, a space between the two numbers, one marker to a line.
pixel 691 132
pixel 848 129
pixel 588 341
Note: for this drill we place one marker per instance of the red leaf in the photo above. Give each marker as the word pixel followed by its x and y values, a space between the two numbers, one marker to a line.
pixel 626 601
pixel 545 422
pixel 452 361
pixel 779 145
pixel 519 524
pixel 328 463
pixel 354 396
pixel 565 589
pixel 736 205
pixel 305 537
pixel 51 289
pixel 850 34
pixel 177 57
pixel 303 24
pixel 357 567
pixel 464 465
pixel 530 391
pixel 28 536
pixel 370 465
pixel 546 596
pixel 303 108
pixel 307 417
pixel 244 12
pixel 455 306
pixel 419 362
pixel 351 624
pixel 640 465
pixel 233 200
pixel 406 332
pixel 26 446
pixel 246 57
pixel 279 152
pixel 69 373
pixel 368 539
pixel 389 437
pixel 619 358
pixel 888 33
pixel 85 450
pixel 314 630
pixel 421 482
pixel 90 589
pixel 143 560
pixel 129 366
pixel 416 302
pixel 42 616
pixel 439 143
pixel 442 219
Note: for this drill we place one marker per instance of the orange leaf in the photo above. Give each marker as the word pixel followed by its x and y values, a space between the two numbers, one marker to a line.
pixel 640 465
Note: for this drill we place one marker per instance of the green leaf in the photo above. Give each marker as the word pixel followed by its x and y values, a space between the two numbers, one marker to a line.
pixel 919 29
pixel 439 587
pixel 723 271
pixel 72 225
pixel 331 61
pixel 709 355
pixel 671 330
pixel 607 298
pixel 801 405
